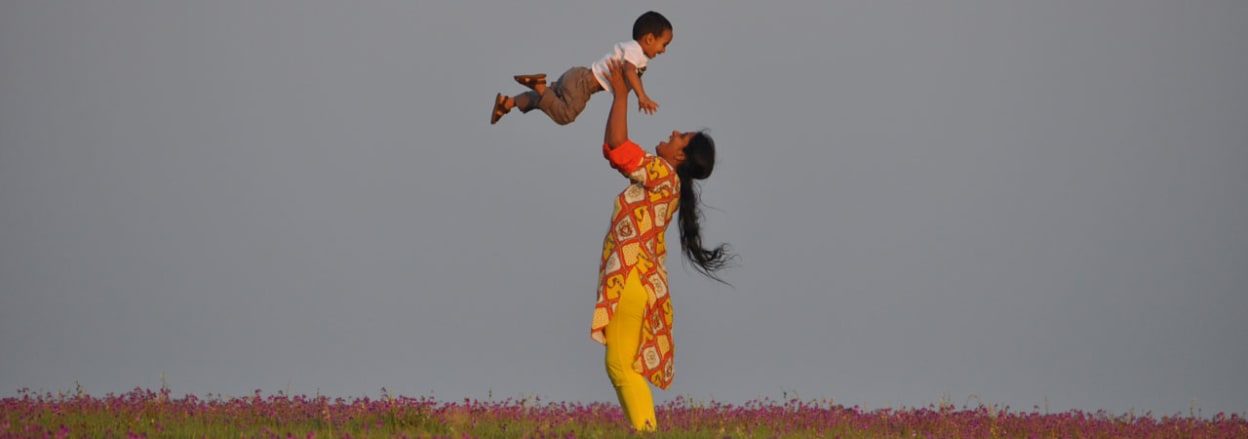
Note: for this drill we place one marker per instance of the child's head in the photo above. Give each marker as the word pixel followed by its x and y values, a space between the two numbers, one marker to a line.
pixel 653 32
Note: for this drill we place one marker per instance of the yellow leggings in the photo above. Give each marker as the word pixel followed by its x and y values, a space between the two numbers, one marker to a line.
pixel 623 334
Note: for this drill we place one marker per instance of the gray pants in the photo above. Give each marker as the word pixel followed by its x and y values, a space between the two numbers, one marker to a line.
pixel 564 99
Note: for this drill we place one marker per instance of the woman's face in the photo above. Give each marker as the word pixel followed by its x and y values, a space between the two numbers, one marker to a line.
pixel 673 150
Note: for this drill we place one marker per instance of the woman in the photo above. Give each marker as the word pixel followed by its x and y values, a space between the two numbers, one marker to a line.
pixel 633 316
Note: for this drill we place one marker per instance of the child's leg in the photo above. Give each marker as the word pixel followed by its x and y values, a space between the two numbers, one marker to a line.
pixel 526 101
pixel 566 98
pixel 563 101
pixel 535 82
pixel 623 334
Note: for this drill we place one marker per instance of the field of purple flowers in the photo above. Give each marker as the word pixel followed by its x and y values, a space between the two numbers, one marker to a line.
pixel 155 414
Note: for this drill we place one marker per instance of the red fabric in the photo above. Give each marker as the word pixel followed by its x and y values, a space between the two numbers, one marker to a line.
pixel 625 158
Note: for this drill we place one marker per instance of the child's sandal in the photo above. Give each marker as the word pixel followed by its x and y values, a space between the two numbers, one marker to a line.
pixel 500 108
pixel 531 81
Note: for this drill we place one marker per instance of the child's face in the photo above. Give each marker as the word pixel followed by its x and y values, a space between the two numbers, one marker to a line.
pixel 652 46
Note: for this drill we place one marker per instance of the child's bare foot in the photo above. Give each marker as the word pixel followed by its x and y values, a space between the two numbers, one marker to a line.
pixel 502 105
pixel 535 82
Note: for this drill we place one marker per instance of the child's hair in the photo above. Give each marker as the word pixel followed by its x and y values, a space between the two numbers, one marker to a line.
pixel 652 23
pixel 698 164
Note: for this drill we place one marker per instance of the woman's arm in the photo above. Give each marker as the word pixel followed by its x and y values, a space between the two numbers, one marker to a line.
pixel 617 120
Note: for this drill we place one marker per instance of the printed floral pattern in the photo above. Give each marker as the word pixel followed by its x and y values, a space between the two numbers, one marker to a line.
pixel 636 241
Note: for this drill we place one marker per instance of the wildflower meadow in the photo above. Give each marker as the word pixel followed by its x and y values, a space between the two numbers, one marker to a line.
pixel 156 414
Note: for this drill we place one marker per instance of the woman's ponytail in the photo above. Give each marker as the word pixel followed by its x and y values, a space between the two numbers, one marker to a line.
pixel 698 164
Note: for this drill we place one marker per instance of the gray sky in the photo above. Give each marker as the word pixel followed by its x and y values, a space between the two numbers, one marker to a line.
pixel 1015 201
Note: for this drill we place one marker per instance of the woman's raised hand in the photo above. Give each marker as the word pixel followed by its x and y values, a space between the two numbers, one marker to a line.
pixel 615 76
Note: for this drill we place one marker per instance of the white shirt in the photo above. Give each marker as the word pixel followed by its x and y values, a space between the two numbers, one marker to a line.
pixel 629 51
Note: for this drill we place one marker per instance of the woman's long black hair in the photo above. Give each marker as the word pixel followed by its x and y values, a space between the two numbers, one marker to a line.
pixel 698 164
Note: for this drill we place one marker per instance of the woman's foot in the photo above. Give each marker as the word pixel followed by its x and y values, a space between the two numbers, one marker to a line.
pixel 501 107
pixel 535 82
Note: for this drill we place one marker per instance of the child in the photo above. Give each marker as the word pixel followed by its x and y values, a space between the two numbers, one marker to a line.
pixel 566 98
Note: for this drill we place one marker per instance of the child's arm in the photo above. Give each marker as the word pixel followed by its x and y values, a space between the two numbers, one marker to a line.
pixel 634 81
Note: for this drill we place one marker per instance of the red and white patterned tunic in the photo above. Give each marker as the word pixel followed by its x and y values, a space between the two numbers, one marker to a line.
pixel 635 241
